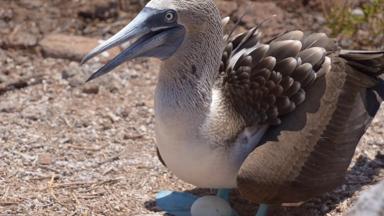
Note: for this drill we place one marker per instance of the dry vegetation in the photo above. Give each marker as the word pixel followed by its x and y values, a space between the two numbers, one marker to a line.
pixel 362 21
pixel 69 148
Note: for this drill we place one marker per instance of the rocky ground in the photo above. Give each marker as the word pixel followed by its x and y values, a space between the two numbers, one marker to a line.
pixel 69 148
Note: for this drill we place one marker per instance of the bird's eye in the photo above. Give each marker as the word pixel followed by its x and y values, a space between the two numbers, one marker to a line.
pixel 170 16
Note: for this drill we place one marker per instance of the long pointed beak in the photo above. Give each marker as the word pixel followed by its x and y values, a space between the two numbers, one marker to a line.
pixel 155 38
pixel 132 30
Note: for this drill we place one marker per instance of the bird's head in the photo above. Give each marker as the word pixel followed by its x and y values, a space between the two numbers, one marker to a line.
pixel 160 29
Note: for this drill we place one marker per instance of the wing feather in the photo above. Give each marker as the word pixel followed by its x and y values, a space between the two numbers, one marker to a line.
pixel 263 81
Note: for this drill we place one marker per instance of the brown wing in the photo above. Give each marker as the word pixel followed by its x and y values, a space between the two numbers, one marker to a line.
pixel 309 152
pixel 265 81
pixel 316 96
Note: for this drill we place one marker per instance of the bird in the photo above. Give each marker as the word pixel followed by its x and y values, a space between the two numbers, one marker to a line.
pixel 278 120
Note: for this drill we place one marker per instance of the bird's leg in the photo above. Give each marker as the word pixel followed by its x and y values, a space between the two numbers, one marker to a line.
pixel 224 194
pixel 262 210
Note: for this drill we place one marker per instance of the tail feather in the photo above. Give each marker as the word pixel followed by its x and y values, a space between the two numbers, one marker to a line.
pixel 361 54
pixel 368 62
pixel 372 102
pixel 372 64
pixel 379 88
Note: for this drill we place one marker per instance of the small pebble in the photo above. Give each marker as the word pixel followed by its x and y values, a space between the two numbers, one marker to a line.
pixel 91 89
pixel 358 12
pixel 45 159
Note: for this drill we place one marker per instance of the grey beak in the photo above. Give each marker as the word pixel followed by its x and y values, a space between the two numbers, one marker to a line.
pixel 155 38
pixel 133 29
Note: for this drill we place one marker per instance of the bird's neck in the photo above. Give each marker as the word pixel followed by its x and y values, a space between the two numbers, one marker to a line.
pixel 184 89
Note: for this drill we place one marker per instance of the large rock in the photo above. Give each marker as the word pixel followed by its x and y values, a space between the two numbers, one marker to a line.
pixel 131 5
pixel 254 13
pixel 99 9
pixel 260 11
pixel 370 203
pixel 227 8
pixel 72 47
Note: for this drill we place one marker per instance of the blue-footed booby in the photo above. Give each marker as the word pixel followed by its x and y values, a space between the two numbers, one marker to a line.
pixel 278 120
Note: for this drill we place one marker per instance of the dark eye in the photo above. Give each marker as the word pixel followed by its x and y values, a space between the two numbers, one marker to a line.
pixel 170 16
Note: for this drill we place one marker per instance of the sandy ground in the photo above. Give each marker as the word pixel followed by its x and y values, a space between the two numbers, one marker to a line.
pixel 69 148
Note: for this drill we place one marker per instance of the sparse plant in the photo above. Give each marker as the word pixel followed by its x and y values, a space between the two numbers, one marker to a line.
pixel 349 20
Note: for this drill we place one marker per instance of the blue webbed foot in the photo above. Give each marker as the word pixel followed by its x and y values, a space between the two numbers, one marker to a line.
pixel 175 203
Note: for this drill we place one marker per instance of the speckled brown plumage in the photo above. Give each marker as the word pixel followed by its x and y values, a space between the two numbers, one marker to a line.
pixel 267 81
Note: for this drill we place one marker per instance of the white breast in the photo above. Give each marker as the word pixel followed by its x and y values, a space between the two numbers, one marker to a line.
pixel 194 161
pixel 190 157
